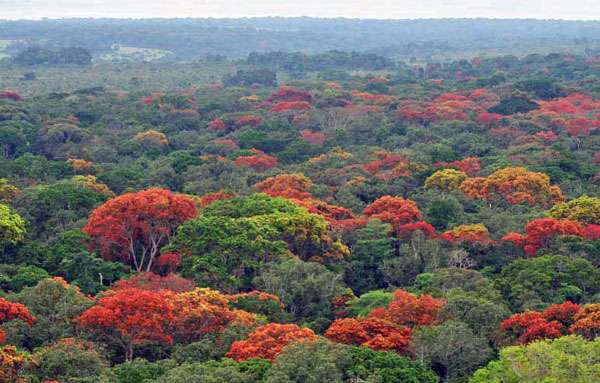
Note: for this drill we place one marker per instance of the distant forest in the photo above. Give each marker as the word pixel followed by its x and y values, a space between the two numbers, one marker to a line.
pixel 236 38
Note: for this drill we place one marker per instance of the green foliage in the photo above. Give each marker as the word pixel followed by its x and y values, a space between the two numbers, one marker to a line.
pixel 538 282
pixel 452 350
pixel 223 371
pixel 364 304
pixel 305 288
pixel 137 371
pixel 12 226
pixel 569 359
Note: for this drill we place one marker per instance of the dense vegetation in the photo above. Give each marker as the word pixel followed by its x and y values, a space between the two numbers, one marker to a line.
pixel 277 222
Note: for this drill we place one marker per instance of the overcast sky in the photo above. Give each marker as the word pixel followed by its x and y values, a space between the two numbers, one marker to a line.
pixel 381 9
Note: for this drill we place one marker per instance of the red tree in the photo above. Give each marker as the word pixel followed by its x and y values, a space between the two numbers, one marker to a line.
pixel 267 341
pixel 530 326
pixel 541 231
pixel 131 316
pixel 10 311
pixel 396 211
pixel 375 333
pixel 407 309
pixel 260 161
pixel 133 226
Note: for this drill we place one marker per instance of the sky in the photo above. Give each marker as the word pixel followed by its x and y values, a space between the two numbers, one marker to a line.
pixel 377 9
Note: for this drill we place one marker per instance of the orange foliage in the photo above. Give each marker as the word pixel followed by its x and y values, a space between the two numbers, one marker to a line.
pixel 396 211
pixel 205 311
pixel 11 364
pixel 248 120
pixel 467 233
pixel 407 309
pixel 375 333
pixel 286 106
pixel 387 166
pixel 133 226
pixel 153 137
pixel 209 198
pixel 587 321
pixel 260 161
pixel 268 341
pixel 515 185
pixel 132 316
pixel 154 282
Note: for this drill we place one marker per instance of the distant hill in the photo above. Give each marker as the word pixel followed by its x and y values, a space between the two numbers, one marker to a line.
pixel 236 38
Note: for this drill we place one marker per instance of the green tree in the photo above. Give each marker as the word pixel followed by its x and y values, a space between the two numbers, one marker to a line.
pixel 12 226
pixel 451 349
pixel 305 288
pixel 569 359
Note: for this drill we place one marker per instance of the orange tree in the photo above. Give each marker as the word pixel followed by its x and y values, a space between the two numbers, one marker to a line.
pixel 133 227
pixel 268 341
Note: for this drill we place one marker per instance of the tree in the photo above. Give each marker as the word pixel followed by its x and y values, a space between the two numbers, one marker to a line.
pixel 131 316
pixel 218 371
pixel 584 209
pixel 375 333
pixel 541 231
pixel 399 212
pixel 11 311
pixel 407 309
pixel 67 360
pixel 587 321
pixel 12 363
pixel 451 349
pixel 133 227
pixel 311 362
pixel 154 282
pixel 55 305
pixel 535 283
pixel 445 180
pixel 306 289
pixel 268 341
pixel 204 311
pixel 12 226
pixel 544 361
pixel 371 247
pixel 467 233
pixel 515 185
pixel 233 237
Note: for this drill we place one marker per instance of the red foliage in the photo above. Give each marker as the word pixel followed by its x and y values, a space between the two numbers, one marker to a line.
pixel 596 159
pixel 424 227
pixel 285 106
pixel 407 309
pixel 154 282
pixel 387 166
pixel 290 94
pixel 540 231
pixel 131 316
pixel 248 120
pixel 591 232
pixel 315 138
pixel 562 312
pixel 489 120
pixel 260 162
pixel 10 95
pixel 132 227
pixel 547 136
pixel 375 333
pixel 168 262
pixel 396 211
pixel 209 198
pixel 530 326
pixel 217 125
pixel 10 311
pixel 469 165
pixel 267 341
